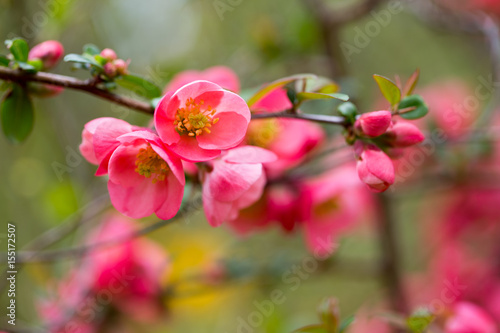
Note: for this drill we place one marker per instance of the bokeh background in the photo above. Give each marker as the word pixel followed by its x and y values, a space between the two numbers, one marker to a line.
pixel 45 182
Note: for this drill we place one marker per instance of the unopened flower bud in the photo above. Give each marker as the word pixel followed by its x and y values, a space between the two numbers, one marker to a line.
pixel 373 124
pixel 110 69
pixel 49 52
pixel 108 54
pixel 404 134
pixel 121 66
pixel 374 167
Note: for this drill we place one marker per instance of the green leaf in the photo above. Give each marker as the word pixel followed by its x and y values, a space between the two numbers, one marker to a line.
pixel 36 63
pixel 416 101
pixel 19 49
pixel 344 325
pixel 4 61
pixel 139 85
pixel 304 96
pixel 100 59
pixel 312 329
pixel 27 67
pixel 419 321
pixel 349 111
pixel 411 83
pixel 82 59
pixel 17 115
pixel 329 313
pixel 91 49
pixel 389 89
pixel 275 85
pixel 319 84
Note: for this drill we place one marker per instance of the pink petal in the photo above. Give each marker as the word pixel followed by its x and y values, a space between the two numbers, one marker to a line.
pixel 276 100
pixel 216 211
pixel 187 148
pixel 137 201
pixel 228 132
pixel 249 154
pixel 122 166
pixel 195 89
pixel 164 118
pixel 171 200
pixel 232 102
pixel 228 182
pixel 105 136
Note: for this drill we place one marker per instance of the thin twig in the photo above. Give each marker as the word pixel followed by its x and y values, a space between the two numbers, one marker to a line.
pixel 76 252
pixel 332 120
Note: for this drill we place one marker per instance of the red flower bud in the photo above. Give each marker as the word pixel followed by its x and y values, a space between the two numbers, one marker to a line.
pixel 121 66
pixel 373 124
pixel 404 134
pixel 374 167
pixel 108 54
pixel 110 69
pixel 49 52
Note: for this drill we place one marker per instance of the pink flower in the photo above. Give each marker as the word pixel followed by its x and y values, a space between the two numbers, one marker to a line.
pixel 290 139
pixel 469 318
pixel 332 204
pixel 404 134
pixel 236 181
pixel 220 75
pixel 375 168
pixel 99 140
pixel 144 176
pixel 49 52
pixel 135 266
pixel 201 119
pixel 373 124
pixel 127 274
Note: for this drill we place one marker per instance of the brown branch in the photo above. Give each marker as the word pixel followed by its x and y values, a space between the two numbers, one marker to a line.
pixel 390 270
pixel 87 86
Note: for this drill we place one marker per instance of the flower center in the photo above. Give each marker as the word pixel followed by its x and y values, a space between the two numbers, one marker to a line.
pixel 326 207
pixel 261 133
pixel 194 119
pixel 150 165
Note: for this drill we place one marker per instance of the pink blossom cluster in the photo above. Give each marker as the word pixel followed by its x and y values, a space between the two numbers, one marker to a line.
pixel 113 66
pixel 111 285
pixel 380 135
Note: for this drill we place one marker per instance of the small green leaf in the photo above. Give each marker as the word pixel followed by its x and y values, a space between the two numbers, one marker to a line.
pixel 36 63
pixel 292 95
pixel 139 85
pixel 413 101
pixel 318 84
pixel 4 61
pixel 312 329
pixel 348 110
pixel 100 59
pixel 19 48
pixel 389 89
pixel 82 59
pixel 304 96
pixel 17 115
pixel 411 83
pixel 344 325
pixel 419 321
pixel 329 313
pixel 27 67
pixel 91 49
pixel 275 85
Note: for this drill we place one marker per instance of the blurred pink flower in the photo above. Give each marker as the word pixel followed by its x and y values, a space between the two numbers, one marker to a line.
pixel 220 75
pixel 234 181
pixel 332 203
pixel 125 277
pixel 145 177
pixel 375 168
pixel 201 119
pixel 49 52
pixel 290 139
pixel 373 124
pixel 469 318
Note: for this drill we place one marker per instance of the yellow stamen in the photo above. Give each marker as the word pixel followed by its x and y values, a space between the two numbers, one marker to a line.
pixel 262 132
pixel 150 165
pixel 193 120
